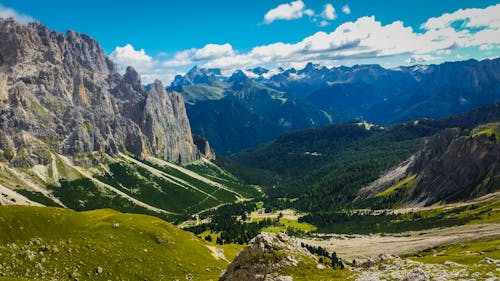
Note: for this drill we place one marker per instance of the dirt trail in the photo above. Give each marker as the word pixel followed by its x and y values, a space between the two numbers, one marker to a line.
pixel 362 246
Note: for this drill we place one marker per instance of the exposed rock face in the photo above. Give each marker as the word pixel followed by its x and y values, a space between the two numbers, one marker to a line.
pixel 60 92
pixel 453 167
pixel 264 256
pixel 197 75
pixel 450 166
pixel 204 146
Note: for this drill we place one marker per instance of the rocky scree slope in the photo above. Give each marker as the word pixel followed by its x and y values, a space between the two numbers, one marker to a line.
pixel 59 92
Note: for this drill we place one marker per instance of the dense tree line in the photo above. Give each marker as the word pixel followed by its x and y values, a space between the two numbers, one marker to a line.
pixel 325 167
pixel 230 222
pixel 322 169
pixel 383 221
pixel 325 257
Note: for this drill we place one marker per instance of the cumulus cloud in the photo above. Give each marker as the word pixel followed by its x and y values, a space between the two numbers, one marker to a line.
pixel 288 11
pixel 363 39
pixel 213 51
pixel 145 65
pixel 323 23
pixel 128 56
pixel 329 12
pixel 6 12
pixel 309 12
pixel 181 58
pixel 368 38
pixel 468 18
pixel 467 27
pixel 346 9
pixel 208 52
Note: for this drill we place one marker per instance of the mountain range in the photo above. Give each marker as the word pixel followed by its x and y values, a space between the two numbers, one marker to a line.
pixel 105 167
pixel 317 95
pixel 75 133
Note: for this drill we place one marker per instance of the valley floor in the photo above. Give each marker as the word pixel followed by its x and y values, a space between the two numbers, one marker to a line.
pixel 360 247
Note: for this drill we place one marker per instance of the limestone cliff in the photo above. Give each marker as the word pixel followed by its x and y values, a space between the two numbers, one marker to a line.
pixel 451 166
pixel 60 92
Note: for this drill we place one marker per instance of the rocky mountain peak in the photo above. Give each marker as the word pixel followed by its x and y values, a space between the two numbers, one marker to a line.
pixel 453 165
pixel 197 75
pixel 238 77
pixel 133 78
pixel 311 67
pixel 61 93
pixel 156 87
pixel 259 70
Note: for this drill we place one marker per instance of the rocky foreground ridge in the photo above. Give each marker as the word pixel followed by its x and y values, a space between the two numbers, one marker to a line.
pixel 264 257
pixel 59 92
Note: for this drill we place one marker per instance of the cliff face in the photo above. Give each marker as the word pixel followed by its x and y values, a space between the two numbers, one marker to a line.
pixel 60 92
pixel 450 166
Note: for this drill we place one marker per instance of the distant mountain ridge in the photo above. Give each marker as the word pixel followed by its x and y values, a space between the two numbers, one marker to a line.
pixel 361 92
pixel 239 112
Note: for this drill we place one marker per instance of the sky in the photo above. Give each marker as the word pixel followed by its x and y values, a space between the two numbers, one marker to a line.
pixel 163 38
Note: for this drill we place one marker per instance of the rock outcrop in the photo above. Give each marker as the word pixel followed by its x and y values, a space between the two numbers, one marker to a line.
pixel 204 147
pixel 264 256
pixel 450 166
pixel 59 92
pixel 453 166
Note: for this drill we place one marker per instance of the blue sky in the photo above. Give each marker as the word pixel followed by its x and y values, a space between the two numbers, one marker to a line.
pixel 162 38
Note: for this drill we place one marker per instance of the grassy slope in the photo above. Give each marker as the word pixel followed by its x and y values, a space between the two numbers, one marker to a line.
pixel 76 244
pixel 471 254
pixel 490 129
pixel 159 186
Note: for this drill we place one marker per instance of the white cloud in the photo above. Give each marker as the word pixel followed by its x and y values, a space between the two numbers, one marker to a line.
pixel 466 27
pixel 289 11
pixel 346 10
pixel 309 12
pixel 471 18
pixel 329 12
pixel 181 58
pixel 6 12
pixel 128 56
pixel 145 65
pixel 213 51
pixel 368 38
pixel 363 39
pixel 191 56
